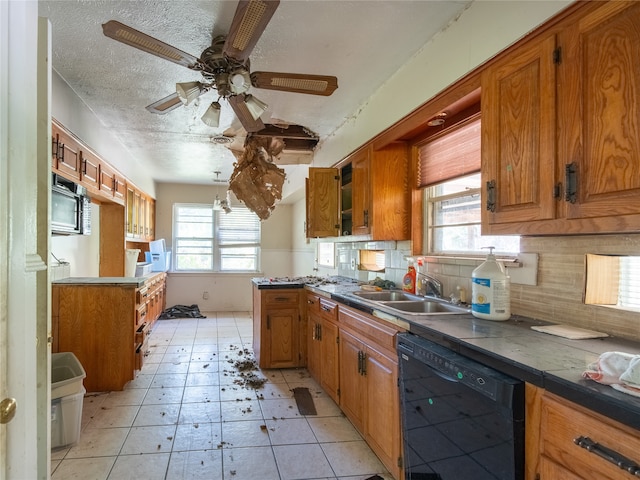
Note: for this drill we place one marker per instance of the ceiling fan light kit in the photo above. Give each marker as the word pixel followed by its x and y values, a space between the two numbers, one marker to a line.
pixel 256 107
pixel 212 116
pixel 189 91
pixel 224 66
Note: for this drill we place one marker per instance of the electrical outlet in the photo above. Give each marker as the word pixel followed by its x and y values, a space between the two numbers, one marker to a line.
pixel 205 295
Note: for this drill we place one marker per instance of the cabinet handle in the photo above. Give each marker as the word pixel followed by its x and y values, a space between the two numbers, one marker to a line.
pixel 319 334
pixel 364 364
pixel 571 182
pixel 609 455
pixel 491 195
pixel 366 218
pixel 359 362
pixel 60 153
pixel 282 299
pixel 54 147
pixel 325 308
pixel 84 166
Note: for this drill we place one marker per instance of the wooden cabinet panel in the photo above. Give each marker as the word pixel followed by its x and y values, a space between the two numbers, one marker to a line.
pixel 322 344
pixel 107 180
pixel 369 383
pixel 599 88
pixel 361 193
pixel 106 327
pixel 65 153
pixel 382 431
pixel 322 203
pixel 90 173
pixel 352 389
pixel 554 427
pixel 278 328
pixel 518 135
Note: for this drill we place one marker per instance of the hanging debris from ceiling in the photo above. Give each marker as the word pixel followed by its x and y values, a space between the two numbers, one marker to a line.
pixel 256 180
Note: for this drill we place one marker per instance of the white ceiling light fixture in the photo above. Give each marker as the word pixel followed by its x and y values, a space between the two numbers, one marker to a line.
pixel 189 91
pixel 212 116
pixel 256 107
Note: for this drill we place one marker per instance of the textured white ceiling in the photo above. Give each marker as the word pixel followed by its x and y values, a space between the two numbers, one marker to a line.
pixel 361 42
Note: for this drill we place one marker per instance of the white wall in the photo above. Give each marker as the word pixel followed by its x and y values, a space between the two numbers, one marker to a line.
pixel 227 292
pixel 82 252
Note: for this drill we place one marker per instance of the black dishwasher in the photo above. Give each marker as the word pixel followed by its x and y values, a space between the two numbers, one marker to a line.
pixel 461 419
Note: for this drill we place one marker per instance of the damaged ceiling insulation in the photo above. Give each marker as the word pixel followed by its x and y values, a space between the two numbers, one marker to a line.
pixel 256 180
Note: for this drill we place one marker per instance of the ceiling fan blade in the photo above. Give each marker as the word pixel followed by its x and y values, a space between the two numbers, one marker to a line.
pixel 125 34
pixel 243 114
pixel 168 103
pixel 249 21
pixel 295 82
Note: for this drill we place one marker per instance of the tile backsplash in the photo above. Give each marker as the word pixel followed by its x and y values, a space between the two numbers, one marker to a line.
pixel 555 295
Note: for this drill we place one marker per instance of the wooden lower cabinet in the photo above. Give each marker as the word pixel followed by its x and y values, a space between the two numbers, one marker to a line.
pixel 552 452
pixel 322 343
pixel 106 327
pixel 278 327
pixel 369 383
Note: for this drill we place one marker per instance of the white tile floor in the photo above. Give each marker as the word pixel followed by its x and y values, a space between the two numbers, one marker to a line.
pixel 187 415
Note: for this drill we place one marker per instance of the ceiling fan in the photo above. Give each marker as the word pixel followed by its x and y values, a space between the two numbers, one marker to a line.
pixel 225 67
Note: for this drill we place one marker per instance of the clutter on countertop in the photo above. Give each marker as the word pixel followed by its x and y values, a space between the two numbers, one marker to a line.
pixel 384 284
pixel 618 369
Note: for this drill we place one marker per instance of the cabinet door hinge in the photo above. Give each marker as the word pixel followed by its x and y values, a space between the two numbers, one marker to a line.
pixel 557 56
pixel 399 462
pixel 337 177
pixel 557 190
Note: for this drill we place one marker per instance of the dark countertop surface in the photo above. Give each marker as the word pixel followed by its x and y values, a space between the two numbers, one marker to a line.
pixel 111 281
pixel 548 361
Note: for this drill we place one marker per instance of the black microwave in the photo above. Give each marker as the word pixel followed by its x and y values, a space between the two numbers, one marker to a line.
pixel 70 208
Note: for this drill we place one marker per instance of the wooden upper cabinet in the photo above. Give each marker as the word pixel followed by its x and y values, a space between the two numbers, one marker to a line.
pixel 374 196
pixel 322 203
pixel 599 97
pixel 90 172
pixel 518 135
pixel 561 127
pixel 361 192
pixel 65 154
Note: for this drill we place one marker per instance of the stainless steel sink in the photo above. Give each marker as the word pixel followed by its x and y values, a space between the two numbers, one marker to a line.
pixel 409 304
pixel 386 295
pixel 425 307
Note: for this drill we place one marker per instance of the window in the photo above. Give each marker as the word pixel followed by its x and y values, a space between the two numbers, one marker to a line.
pixel 613 280
pixel 213 241
pixel 452 213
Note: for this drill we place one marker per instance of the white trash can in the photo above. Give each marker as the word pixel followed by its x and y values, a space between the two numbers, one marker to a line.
pixel 67 395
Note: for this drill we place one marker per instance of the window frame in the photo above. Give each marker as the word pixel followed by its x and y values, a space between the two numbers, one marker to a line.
pixel 217 244
pixel 428 201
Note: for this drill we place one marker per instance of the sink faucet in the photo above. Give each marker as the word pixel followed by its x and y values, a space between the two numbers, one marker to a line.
pixel 429 285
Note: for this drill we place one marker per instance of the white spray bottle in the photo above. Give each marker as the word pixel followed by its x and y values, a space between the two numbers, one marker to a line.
pixel 491 299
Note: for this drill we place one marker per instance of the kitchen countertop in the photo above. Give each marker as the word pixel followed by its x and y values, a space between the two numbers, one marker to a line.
pixel 112 281
pixel 547 361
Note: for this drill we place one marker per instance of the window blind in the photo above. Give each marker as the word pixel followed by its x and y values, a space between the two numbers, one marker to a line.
pixel 453 153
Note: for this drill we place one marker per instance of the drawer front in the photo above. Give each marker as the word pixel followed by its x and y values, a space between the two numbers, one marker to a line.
pixel 328 309
pixel 141 315
pixel 142 333
pixel 142 294
pixel 279 297
pixel 372 329
pixel 562 422
pixel 313 303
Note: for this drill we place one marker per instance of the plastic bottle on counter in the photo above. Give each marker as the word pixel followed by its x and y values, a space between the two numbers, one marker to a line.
pixel 409 280
pixel 490 295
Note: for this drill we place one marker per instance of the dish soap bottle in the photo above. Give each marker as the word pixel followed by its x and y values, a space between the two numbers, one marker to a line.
pixel 409 280
pixel 490 296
